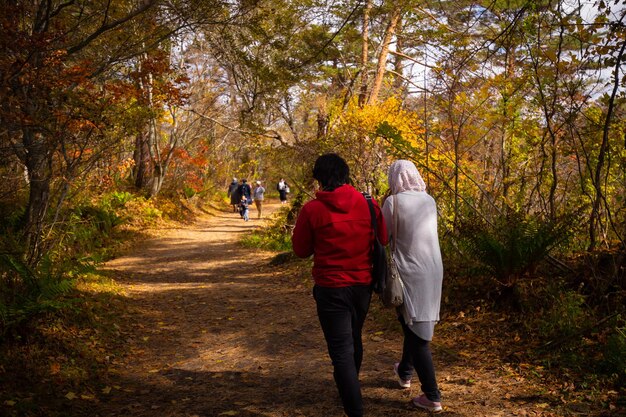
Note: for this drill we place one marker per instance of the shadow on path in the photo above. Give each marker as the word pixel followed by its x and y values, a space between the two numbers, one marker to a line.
pixel 213 330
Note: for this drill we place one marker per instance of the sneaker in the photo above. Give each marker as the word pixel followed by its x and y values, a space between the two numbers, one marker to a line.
pixel 404 383
pixel 424 403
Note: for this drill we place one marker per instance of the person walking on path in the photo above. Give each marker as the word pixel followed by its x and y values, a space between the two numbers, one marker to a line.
pixel 336 228
pixel 243 209
pixel 258 193
pixel 233 193
pixel 245 190
pixel 418 258
pixel 283 190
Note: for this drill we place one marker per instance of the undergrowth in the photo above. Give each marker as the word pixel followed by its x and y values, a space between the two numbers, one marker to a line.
pixel 64 354
pixel 275 237
pixel 58 318
pixel 84 235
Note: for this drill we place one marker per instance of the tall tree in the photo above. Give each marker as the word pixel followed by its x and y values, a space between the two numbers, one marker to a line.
pixel 59 57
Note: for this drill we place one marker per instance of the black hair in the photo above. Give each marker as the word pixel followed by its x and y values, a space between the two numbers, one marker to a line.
pixel 331 171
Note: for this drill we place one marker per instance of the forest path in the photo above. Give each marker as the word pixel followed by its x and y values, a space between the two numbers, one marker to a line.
pixel 213 330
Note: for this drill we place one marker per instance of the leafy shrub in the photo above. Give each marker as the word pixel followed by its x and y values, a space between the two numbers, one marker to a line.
pixel 615 355
pixel 120 198
pixel 13 217
pixel 603 274
pixel 511 245
pixel 25 293
pixel 86 229
pixel 565 317
pixel 275 237
pixel 141 212
pixel 152 213
pixel 102 218
pixel 188 191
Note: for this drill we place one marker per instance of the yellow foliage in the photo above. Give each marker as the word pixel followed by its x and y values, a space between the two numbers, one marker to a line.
pixel 359 122
pixel 355 132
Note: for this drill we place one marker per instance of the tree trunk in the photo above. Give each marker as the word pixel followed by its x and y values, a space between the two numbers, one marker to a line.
pixel 141 156
pixel 382 58
pixel 594 219
pixel 39 176
pixel 509 59
pixel 322 120
pixel 365 52
pixel 155 156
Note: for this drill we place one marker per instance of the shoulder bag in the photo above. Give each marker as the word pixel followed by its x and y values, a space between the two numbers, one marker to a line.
pixel 393 293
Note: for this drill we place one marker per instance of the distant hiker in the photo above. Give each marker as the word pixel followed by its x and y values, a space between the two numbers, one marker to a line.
pixel 421 269
pixel 245 190
pixel 258 193
pixel 233 193
pixel 243 208
pixel 336 228
pixel 283 190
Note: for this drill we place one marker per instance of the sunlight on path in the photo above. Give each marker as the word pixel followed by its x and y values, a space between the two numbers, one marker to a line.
pixel 214 329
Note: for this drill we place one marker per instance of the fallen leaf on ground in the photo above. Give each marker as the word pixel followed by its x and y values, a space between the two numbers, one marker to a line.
pixel 55 368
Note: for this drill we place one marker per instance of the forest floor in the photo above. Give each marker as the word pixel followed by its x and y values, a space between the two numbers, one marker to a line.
pixel 210 328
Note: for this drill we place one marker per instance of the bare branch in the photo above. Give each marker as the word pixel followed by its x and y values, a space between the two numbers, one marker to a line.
pixel 107 27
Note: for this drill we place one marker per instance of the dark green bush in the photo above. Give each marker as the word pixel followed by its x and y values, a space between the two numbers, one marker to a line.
pixel 565 317
pixel 512 245
pixel 102 218
pixel 25 293
pixel 615 355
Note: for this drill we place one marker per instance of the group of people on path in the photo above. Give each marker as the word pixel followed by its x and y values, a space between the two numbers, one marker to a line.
pixel 242 195
pixel 336 228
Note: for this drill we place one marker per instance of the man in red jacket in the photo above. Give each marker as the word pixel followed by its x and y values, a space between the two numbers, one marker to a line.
pixel 336 228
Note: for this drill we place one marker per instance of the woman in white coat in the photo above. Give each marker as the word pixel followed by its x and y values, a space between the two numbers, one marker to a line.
pixel 419 262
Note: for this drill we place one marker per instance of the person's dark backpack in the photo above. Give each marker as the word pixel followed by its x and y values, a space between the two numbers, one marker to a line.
pixel 244 190
pixel 379 258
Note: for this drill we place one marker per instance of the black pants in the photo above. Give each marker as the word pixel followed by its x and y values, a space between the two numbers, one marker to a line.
pixel 342 312
pixel 416 355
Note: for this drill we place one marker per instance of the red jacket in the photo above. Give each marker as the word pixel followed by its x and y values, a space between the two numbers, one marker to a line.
pixel 336 228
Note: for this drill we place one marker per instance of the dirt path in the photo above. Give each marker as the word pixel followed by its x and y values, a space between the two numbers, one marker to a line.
pixel 214 330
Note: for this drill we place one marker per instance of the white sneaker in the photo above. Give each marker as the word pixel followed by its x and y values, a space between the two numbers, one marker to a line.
pixel 404 383
pixel 426 404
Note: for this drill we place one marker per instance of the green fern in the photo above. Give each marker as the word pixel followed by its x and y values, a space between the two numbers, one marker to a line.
pixel 512 245
pixel 25 293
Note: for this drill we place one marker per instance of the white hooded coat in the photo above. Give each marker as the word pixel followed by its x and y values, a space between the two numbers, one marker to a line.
pixel 417 251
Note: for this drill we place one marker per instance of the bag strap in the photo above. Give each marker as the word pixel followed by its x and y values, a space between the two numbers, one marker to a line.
pixel 368 198
pixel 395 223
